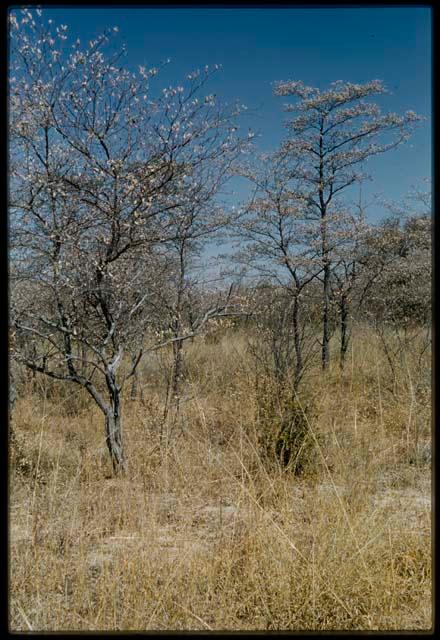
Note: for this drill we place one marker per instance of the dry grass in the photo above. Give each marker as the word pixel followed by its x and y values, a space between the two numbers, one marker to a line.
pixel 201 534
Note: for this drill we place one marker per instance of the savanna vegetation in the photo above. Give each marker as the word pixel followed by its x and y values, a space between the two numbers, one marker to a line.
pixel 245 452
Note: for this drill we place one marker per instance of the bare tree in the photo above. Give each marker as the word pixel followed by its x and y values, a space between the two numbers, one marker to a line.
pixel 99 172
pixel 349 235
pixel 332 133
pixel 279 247
pixel 199 220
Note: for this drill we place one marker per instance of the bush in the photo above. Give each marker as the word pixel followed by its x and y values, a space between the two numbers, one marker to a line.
pixel 284 432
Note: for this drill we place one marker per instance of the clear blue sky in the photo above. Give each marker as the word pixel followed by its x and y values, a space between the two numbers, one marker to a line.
pixel 257 46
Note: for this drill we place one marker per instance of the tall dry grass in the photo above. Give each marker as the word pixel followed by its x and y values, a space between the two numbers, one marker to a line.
pixel 202 534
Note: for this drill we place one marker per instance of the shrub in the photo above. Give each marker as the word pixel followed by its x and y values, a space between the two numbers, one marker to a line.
pixel 284 430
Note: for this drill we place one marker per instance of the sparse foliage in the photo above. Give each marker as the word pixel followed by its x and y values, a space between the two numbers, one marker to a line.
pixel 103 177
pixel 333 133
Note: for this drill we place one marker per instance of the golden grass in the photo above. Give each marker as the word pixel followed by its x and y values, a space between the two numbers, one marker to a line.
pixel 201 534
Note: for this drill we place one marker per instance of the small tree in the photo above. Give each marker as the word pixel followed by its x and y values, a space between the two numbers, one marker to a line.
pixel 346 255
pixel 199 220
pixel 279 248
pixel 334 131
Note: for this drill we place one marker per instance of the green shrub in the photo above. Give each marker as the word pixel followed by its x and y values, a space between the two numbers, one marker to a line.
pixel 284 432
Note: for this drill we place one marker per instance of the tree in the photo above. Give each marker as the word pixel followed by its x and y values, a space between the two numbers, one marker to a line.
pixel 346 254
pixel 181 299
pixel 100 171
pixel 396 274
pixel 333 132
pixel 279 248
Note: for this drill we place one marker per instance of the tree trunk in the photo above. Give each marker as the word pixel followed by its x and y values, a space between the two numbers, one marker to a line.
pixel 178 345
pixel 323 203
pixel 113 437
pixel 134 392
pixel 113 427
pixel 177 370
pixel 325 317
pixel 345 337
pixel 172 402
pixel 297 344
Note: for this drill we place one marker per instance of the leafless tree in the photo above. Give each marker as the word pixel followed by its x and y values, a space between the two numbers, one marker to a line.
pixel 277 239
pixel 347 255
pixel 333 132
pixel 100 171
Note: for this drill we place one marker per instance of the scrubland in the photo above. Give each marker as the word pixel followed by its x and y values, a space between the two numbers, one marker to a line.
pixel 205 531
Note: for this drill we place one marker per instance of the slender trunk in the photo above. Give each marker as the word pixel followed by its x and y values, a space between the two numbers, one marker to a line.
pixel 297 344
pixel 173 399
pixel 173 393
pixel 389 356
pixel 326 317
pixel 134 392
pixel 177 371
pixel 172 402
pixel 345 337
pixel 324 255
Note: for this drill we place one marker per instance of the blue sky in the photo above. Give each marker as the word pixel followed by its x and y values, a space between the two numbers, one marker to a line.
pixel 257 46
